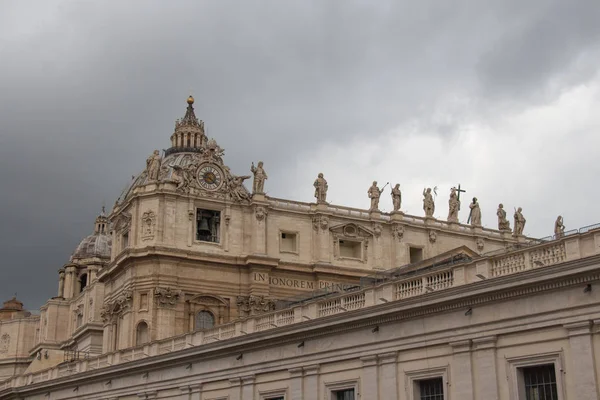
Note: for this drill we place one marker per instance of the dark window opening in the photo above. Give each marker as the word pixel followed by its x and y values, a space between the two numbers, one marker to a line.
pixel 83 281
pixel 540 382
pixel 416 254
pixel 208 225
pixel 205 320
pixel 431 389
pixel 347 394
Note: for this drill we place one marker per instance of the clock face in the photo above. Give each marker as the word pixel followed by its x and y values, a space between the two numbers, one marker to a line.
pixel 210 177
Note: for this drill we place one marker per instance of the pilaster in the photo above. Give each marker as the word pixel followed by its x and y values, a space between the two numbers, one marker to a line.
pixel 388 376
pixel 248 387
pixel 369 377
pixel 462 371
pixel 583 379
pixel 235 389
pixel 484 358
pixel 311 382
pixel 259 227
pixel 295 383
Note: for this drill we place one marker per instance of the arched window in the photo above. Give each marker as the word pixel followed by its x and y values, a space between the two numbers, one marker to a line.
pixel 205 320
pixel 141 334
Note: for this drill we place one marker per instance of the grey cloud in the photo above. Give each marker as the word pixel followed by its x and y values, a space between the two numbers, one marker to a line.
pixel 88 90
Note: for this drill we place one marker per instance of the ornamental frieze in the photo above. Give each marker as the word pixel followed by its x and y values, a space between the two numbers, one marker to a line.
pixel 166 297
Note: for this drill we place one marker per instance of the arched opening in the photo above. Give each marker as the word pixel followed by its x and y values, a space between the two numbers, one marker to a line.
pixel 141 334
pixel 205 320
pixel 83 280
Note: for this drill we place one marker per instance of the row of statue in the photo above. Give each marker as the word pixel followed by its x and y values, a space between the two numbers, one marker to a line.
pixel 153 164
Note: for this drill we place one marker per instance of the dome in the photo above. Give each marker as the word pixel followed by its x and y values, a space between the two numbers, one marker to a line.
pixel 96 245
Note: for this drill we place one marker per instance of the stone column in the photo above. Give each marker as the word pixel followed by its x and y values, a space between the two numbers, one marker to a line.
pixel 486 375
pixel 296 384
pixel 311 383
pixel 235 389
pixel 259 231
pixel 462 371
pixel 69 287
pixel 248 387
pixel 388 378
pixel 581 366
pixel 321 237
pixel 369 377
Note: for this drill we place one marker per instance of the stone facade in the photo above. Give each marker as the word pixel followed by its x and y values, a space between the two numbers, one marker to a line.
pixel 197 283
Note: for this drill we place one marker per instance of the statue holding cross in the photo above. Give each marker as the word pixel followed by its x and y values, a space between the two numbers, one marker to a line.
pixel 453 206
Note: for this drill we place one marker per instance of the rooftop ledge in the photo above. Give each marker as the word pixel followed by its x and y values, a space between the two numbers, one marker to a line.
pixel 396 286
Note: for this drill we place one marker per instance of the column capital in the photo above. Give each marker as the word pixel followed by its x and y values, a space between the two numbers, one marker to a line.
pixel 460 346
pixel 295 372
pixel 235 381
pixel 578 328
pixel 369 361
pixel 195 388
pixel 388 358
pixel 482 343
pixel 248 380
pixel 311 370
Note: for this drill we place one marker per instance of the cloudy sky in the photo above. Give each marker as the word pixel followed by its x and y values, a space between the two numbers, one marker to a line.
pixel 502 97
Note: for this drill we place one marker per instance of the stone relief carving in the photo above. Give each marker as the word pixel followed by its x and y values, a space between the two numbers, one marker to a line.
pixel 122 222
pixel 374 193
pixel 321 188
pixel 480 243
pixel 148 224
pixel 432 236
pixel 428 203
pixel 254 304
pixel 475 215
pixel 352 232
pixel 153 164
pixel 114 309
pixel 519 222
pixel 396 197
pixel 166 297
pixel 260 213
pixel 4 343
pixel 377 229
pixel 398 231
pixel 320 221
pixel 503 223
pixel 260 176
pixel 559 227
pixel 453 206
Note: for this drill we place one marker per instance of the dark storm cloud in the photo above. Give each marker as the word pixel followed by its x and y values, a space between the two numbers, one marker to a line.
pixel 88 90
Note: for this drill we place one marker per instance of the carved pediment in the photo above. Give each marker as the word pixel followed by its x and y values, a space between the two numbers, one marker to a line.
pixel 121 221
pixel 351 230
pixel 208 300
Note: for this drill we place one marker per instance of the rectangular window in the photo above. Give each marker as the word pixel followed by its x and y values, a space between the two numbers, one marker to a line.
pixel 288 242
pixel 431 389
pixel 208 225
pixel 540 382
pixel 416 254
pixel 125 240
pixel 346 394
pixel 350 249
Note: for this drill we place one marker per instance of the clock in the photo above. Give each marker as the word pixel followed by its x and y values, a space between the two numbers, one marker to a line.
pixel 210 176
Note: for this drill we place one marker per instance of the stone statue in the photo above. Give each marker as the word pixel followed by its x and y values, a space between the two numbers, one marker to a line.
pixel 453 206
pixel 321 189
pixel 374 194
pixel 519 222
pixel 260 176
pixel 559 228
pixel 396 197
pixel 503 223
pixel 428 203
pixel 153 165
pixel 475 215
pixel 236 188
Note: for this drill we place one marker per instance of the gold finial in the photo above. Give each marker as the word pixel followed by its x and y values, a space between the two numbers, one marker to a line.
pixel 190 100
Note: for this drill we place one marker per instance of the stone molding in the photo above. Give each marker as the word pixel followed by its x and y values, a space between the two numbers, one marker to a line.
pixel 166 297
pixel 578 328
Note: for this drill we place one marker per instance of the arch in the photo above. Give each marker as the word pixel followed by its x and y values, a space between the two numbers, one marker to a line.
pixel 142 333
pixel 204 320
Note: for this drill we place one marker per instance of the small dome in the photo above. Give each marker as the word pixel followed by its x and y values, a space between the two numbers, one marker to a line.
pixel 96 245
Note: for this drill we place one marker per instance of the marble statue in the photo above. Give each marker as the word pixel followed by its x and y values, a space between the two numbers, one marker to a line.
pixel 153 165
pixel 396 197
pixel 321 189
pixel 374 194
pixel 475 215
pixel 453 206
pixel 428 203
pixel 503 223
pixel 519 222
pixel 559 228
pixel 260 176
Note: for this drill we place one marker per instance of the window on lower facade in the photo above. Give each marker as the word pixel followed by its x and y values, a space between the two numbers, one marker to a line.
pixel 288 242
pixel 540 382
pixel 141 334
pixel 346 394
pixel 208 225
pixel 416 254
pixel 431 389
pixel 205 320
pixel 350 249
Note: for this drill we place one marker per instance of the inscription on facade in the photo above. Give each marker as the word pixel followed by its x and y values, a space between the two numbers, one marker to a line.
pixel 299 283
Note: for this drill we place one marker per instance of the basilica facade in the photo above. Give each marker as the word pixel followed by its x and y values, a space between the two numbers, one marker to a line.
pixel 195 287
